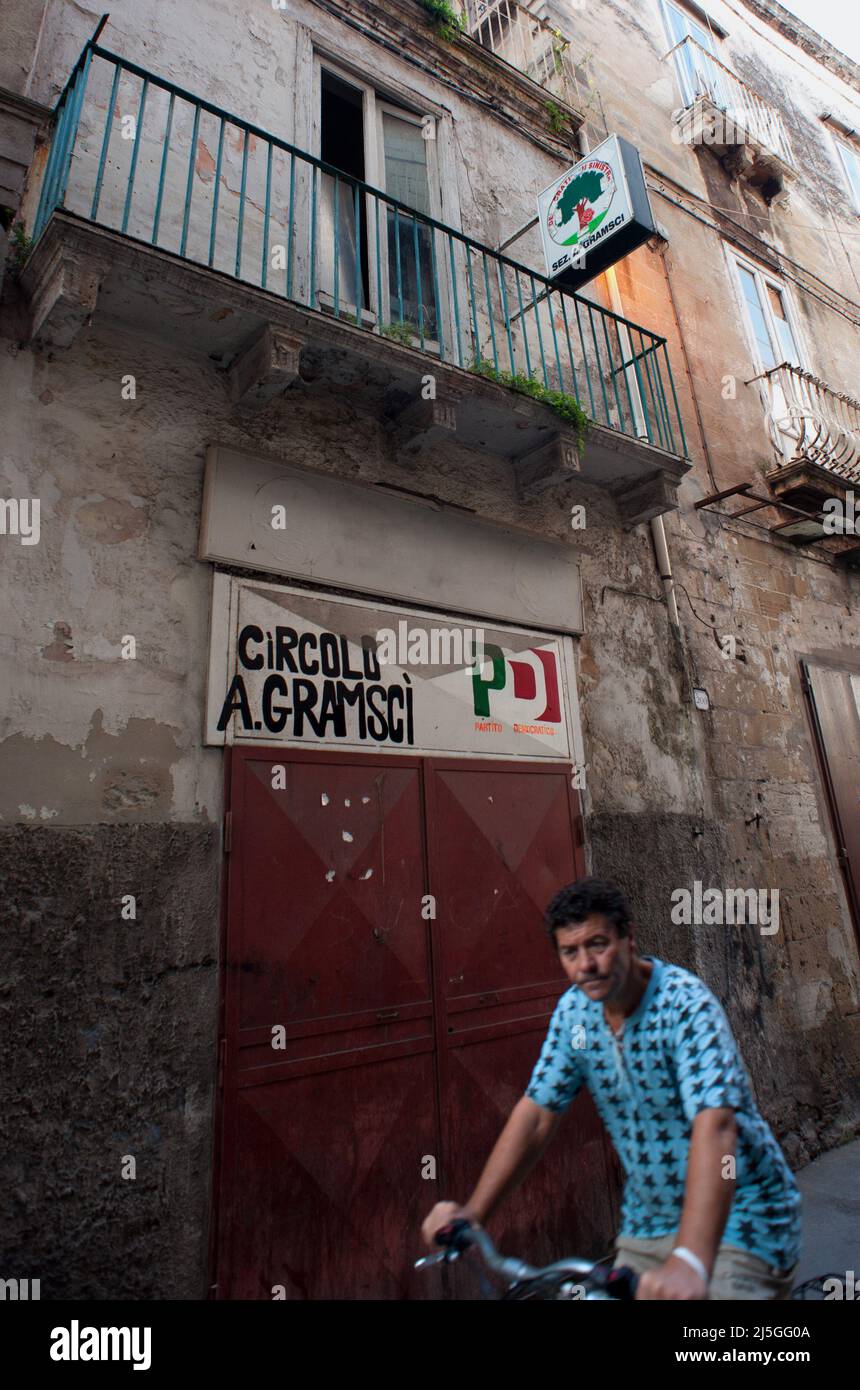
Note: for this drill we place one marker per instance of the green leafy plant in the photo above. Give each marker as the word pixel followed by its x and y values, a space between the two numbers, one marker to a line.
pixel 446 20
pixel 566 406
pixel 560 45
pixel 557 117
pixel 400 331
pixel 20 244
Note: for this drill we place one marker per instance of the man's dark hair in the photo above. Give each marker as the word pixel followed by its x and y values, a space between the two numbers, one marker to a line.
pixel 586 898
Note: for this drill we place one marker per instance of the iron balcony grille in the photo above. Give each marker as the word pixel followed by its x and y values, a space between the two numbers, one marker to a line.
pixel 531 45
pixel 808 420
pixel 746 116
pixel 137 154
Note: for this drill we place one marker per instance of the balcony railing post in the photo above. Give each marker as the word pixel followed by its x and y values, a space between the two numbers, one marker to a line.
pixel 141 110
pixel 264 270
pixel 418 281
pixel 216 189
pixel 161 177
pixel 45 209
pixel 94 211
pixel 75 103
pixel 438 308
pixel 189 185
pixel 678 416
pixel 456 298
pixel 59 160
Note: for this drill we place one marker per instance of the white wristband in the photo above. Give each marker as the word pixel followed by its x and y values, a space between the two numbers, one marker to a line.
pixel 693 1261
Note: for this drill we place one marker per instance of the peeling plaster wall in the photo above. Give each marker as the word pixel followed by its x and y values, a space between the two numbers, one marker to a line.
pixel 105 788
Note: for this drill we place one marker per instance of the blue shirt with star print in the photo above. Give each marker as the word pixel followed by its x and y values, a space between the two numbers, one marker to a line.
pixel 675 1057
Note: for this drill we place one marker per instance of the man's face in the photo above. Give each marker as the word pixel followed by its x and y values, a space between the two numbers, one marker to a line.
pixel 595 958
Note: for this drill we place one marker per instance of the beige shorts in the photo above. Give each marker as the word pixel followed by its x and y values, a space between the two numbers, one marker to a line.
pixel 737 1274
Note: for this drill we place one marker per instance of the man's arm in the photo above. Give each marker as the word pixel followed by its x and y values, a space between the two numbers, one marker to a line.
pixel 528 1131
pixel 708 1197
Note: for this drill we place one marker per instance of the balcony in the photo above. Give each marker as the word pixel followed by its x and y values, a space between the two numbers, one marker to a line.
pixel 721 112
pixel 815 433
pixel 514 33
pixel 191 224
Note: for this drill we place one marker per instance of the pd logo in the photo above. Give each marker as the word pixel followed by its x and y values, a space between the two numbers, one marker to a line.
pixel 532 682
pixel 581 203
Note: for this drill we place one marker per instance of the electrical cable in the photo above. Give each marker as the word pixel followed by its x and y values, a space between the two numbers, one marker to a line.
pixel 771 252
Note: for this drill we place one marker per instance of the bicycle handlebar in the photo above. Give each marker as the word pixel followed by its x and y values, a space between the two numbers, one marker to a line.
pixel 617 1284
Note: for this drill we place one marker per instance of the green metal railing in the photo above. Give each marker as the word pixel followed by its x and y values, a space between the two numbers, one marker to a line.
pixel 141 156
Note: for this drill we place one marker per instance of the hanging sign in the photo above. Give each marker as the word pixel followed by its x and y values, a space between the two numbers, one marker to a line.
pixel 595 213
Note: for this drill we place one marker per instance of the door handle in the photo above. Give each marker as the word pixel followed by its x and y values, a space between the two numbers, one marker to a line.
pixel 387 1015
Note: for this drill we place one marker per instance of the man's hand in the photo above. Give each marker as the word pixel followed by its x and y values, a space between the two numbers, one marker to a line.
pixel 674 1279
pixel 442 1215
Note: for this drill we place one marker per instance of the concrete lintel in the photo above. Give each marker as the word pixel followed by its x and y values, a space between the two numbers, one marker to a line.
pixel 265 366
pixel 62 289
pixel 555 462
pixel 644 500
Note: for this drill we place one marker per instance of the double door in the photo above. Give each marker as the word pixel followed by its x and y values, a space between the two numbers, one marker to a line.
pixel 387 988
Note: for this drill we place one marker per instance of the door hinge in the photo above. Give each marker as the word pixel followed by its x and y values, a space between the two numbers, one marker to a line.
pixel 228 832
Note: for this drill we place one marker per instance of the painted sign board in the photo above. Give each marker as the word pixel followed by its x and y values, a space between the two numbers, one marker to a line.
pixel 303 669
pixel 596 213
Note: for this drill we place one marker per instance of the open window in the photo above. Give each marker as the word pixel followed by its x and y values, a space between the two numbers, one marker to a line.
pixel 769 317
pixel 697 76
pixel 781 373
pixel 376 259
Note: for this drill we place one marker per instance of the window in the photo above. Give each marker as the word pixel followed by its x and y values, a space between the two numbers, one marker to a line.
pixel 850 156
pixel 773 333
pixel 696 74
pixel 769 318
pixel 377 140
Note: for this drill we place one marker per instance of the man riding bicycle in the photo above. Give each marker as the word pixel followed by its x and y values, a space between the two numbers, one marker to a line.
pixel 710 1207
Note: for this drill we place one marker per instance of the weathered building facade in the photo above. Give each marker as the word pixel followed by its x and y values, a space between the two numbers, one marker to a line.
pixel 273 297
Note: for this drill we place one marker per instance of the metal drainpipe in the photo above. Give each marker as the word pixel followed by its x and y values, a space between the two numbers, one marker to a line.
pixel 658 530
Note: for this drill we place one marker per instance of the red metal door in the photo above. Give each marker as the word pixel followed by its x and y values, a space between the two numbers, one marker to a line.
pixel 331 938
pixel 323 1138
pixel 503 838
pixel 833 693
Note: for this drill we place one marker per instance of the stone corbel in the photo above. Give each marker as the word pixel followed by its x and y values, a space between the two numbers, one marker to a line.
pixel 264 367
pixel 62 291
pixel 739 161
pixel 424 425
pixel 554 462
pixel 644 500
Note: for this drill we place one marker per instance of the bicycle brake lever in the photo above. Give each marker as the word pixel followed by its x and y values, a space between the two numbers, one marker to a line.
pixel 449 1237
pixel 621 1283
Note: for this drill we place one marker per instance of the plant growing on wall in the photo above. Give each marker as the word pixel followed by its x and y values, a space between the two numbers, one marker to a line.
pixel 20 245
pixel 445 19
pixel 400 331
pixel 566 406
pixel 560 45
pixel 557 117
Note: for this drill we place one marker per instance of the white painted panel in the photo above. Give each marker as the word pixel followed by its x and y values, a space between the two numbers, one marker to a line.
pixel 301 669
pixel 359 537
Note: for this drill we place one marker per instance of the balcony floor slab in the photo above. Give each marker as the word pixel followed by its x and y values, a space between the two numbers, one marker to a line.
pixel 203 311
